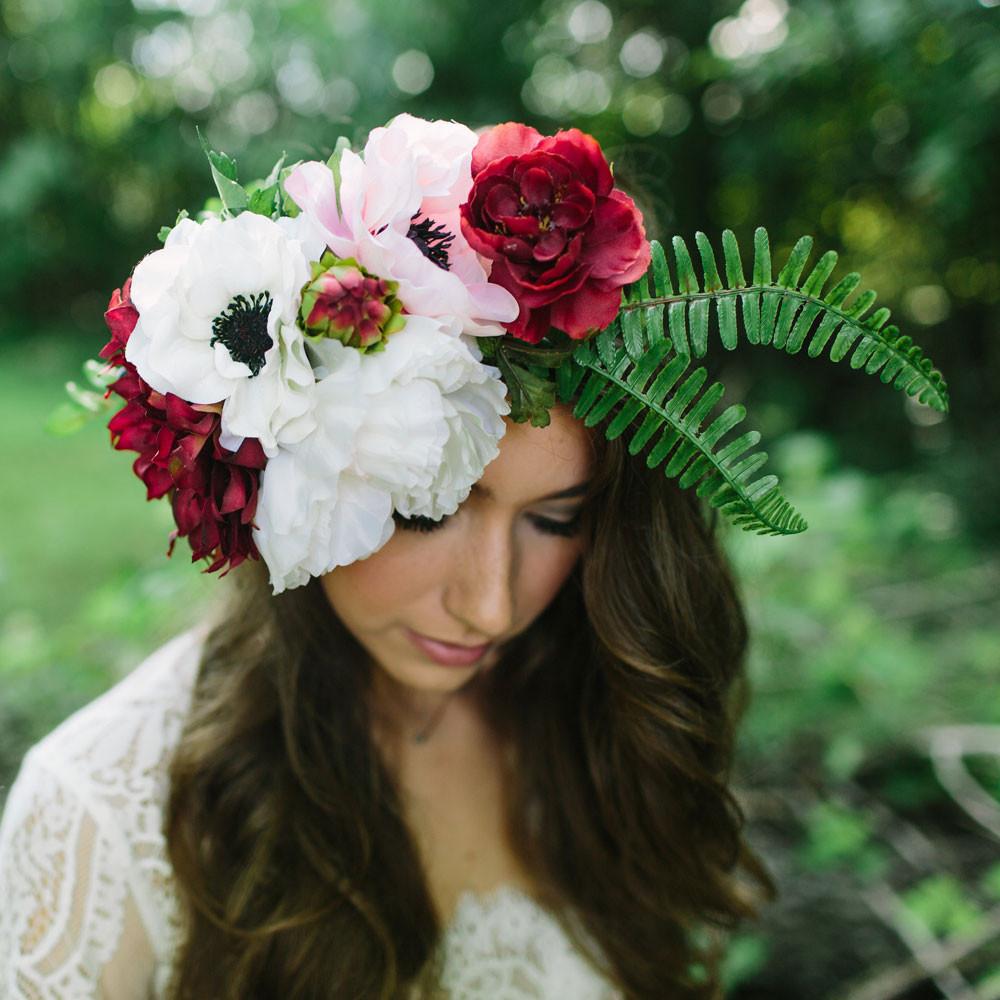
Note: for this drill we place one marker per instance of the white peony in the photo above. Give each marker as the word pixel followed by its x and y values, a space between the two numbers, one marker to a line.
pixel 314 512
pixel 217 308
pixel 433 418
pixel 409 428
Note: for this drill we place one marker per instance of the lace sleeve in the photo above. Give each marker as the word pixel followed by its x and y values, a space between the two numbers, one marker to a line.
pixel 70 927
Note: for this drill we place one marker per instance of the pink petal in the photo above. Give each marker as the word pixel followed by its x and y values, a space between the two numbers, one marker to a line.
pixel 584 154
pixel 536 186
pixel 501 201
pixel 522 225
pixel 312 188
pixel 570 215
pixel 550 245
pixel 616 244
pixel 507 139
pixel 585 311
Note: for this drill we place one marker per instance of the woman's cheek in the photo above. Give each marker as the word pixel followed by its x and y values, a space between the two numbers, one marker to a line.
pixel 546 569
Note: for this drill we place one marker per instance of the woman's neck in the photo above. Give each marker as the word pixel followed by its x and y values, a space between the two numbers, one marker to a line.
pixel 403 717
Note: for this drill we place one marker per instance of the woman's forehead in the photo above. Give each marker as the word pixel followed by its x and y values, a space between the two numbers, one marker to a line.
pixel 534 462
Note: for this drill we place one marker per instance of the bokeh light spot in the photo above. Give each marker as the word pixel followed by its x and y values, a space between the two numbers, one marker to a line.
pixel 927 304
pixel 254 113
pixel 642 54
pixel 116 85
pixel 413 71
pixel 590 21
pixel 642 115
pixel 721 102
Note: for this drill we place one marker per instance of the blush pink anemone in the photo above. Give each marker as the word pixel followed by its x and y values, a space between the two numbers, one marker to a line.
pixel 213 491
pixel 563 239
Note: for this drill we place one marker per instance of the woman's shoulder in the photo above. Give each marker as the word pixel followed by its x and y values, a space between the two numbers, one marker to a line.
pixel 126 735
pixel 82 849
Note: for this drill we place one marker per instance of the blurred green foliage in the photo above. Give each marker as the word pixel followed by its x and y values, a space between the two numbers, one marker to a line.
pixel 869 123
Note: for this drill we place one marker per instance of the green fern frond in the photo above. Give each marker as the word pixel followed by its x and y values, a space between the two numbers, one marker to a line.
pixel 787 312
pixel 632 369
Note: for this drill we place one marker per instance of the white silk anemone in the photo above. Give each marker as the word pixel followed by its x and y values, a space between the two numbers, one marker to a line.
pixel 217 307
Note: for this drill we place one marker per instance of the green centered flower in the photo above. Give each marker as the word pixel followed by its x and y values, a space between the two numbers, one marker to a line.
pixel 343 301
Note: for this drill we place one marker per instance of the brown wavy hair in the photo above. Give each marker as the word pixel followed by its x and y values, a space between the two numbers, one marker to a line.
pixel 297 873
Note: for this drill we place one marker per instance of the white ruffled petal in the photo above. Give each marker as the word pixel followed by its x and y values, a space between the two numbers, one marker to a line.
pixel 315 511
pixel 360 523
pixel 180 290
pixel 401 439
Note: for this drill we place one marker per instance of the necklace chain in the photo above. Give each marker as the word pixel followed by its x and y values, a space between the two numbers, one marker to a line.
pixel 425 731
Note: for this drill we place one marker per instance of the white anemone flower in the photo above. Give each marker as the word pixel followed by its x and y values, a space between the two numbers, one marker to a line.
pixel 398 215
pixel 408 428
pixel 217 307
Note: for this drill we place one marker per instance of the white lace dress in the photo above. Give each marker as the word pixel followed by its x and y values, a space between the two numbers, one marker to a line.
pixel 87 902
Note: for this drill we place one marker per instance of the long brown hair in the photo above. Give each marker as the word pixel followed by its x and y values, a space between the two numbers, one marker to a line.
pixel 298 874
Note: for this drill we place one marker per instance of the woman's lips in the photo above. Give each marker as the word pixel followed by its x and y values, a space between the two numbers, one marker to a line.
pixel 446 653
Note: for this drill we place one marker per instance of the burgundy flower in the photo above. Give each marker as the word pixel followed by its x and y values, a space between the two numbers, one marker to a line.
pixel 213 491
pixel 563 239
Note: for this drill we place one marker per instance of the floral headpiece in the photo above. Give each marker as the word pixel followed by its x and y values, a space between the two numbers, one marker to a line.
pixel 341 341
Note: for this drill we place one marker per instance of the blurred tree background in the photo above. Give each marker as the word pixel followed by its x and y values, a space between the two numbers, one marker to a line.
pixel 870 757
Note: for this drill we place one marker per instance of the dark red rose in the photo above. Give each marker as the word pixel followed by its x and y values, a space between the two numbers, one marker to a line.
pixel 563 239
pixel 213 491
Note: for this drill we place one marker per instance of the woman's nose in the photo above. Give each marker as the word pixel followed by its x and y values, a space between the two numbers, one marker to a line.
pixel 481 591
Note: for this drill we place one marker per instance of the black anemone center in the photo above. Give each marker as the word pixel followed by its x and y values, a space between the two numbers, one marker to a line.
pixel 433 241
pixel 242 329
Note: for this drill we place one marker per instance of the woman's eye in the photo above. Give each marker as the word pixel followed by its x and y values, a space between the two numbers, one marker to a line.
pixel 548 526
pixel 564 529
pixel 418 522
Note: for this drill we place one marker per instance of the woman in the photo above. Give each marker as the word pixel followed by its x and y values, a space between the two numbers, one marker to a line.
pixel 469 733
pixel 337 794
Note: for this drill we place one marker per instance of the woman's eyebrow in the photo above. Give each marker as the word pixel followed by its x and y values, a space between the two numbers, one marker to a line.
pixel 571 491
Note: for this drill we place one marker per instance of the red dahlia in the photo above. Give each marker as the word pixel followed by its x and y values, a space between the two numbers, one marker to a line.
pixel 563 239
pixel 213 491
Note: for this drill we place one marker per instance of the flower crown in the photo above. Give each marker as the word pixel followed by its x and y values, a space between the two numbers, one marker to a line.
pixel 341 341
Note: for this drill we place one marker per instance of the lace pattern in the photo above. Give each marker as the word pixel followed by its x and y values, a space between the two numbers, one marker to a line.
pixel 504 946
pixel 87 903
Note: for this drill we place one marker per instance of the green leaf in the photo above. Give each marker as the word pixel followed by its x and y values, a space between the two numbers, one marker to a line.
pixel 532 394
pixel 234 198
pixel 634 376
pixel 991 881
pixel 100 374
pixel 66 419
pixel 165 231
pixel 333 163
pixel 942 903
pixel 547 357
pixel 263 201
pixel 835 836
pixel 788 313
pixel 84 405
pixel 746 955
pixel 287 205
pixel 275 171
pixel 659 387
pixel 264 197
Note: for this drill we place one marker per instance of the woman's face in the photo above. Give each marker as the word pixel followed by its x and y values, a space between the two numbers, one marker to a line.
pixel 481 575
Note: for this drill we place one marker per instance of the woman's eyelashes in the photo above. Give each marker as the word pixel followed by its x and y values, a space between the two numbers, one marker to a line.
pixel 417 523
pixel 546 525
